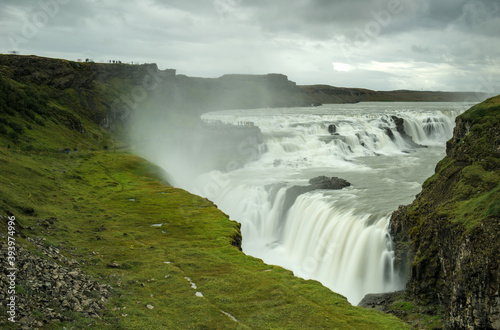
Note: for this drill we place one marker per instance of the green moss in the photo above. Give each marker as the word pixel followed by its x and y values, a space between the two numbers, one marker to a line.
pixel 404 305
pixel 475 210
pixel 482 111
pixel 194 241
pixel 458 207
pixel 465 187
pixel 493 209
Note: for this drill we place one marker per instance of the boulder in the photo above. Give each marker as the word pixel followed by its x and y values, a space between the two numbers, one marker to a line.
pixel 324 182
pixel 317 183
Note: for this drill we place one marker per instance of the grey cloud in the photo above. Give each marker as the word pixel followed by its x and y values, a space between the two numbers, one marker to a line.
pixel 300 38
pixel 420 49
pixel 472 16
pixel 316 18
pixel 322 18
pixel 481 17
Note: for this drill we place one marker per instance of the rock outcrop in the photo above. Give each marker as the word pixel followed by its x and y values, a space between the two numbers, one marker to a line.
pixel 317 183
pixel 446 241
pixel 87 85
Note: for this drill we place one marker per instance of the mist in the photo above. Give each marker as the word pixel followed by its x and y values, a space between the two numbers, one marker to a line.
pixel 165 127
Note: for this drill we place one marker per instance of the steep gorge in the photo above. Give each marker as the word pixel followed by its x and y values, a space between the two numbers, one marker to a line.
pixel 446 240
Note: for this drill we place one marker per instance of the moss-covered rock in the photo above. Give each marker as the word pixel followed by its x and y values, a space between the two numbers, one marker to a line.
pixel 447 239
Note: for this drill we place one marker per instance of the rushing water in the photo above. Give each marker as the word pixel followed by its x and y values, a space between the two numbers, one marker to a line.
pixel 338 237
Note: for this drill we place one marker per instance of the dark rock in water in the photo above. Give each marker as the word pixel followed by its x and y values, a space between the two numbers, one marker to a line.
pixel 317 183
pixel 332 128
pixel 320 182
pixel 324 182
pixel 389 133
pixel 400 127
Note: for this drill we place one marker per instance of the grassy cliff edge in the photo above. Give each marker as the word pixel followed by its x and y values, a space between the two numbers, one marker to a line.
pixel 170 258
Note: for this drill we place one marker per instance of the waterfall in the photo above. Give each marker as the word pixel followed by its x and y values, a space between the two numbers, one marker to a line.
pixel 338 237
pixel 347 251
pixel 345 244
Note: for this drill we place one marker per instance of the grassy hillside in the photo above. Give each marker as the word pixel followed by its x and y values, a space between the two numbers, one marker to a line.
pixel 330 94
pixel 171 258
pixel 467 182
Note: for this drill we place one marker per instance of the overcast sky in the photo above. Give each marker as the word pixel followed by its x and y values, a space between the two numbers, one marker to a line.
pixel 451 45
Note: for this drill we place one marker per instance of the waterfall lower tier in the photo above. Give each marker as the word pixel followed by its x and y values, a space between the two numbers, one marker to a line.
pixel 320 237
pixel 351 255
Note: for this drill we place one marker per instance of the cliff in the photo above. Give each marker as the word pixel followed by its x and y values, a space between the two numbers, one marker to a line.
pixel 101 216
pixel 237 91
pixel 447 239
pixel 330 94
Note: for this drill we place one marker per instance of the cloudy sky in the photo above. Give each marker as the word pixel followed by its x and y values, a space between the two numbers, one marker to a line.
pixel 451 45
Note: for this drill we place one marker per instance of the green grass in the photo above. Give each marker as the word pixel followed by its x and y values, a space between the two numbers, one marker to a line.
pixel 106 202
pixel 99 223
pixel 482 111
pixel 467 186
pixel 474 210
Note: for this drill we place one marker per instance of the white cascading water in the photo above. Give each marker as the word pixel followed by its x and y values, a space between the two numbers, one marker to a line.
pixel 338 237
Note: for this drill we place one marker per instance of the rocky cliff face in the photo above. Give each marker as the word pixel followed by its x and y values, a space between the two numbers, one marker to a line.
pixel 93 87
pixel 239 91
pixel 63 74
pixel 447 239
pixel 138 83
